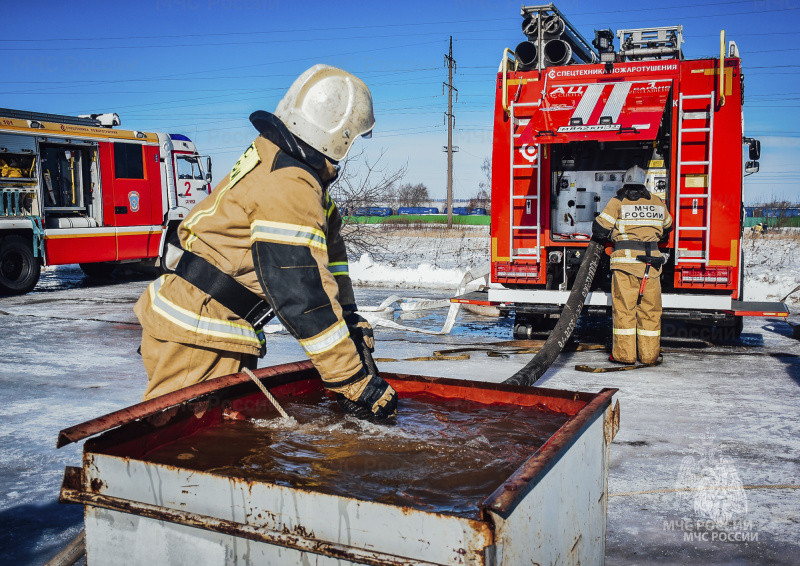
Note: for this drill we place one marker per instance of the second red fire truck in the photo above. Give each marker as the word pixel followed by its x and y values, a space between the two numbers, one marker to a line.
pixel 570 119
pixel 78 190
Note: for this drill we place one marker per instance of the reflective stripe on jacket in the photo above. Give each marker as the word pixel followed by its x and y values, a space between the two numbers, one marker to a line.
pixel 641 220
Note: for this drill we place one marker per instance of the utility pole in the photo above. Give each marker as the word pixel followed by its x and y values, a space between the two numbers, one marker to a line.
pixel 450 63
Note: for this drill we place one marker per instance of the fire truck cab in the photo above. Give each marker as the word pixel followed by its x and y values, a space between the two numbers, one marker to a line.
pixel 570 119
pixel 77 190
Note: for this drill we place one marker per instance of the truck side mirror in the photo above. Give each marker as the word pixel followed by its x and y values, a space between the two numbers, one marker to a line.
pixel 208 169
pixel 751 166
pixel 755 150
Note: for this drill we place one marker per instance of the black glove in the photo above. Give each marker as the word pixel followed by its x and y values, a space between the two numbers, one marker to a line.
pixel 599 233
pixel 364 339
pixel 665 235
pixel 360 330
pixel 378 400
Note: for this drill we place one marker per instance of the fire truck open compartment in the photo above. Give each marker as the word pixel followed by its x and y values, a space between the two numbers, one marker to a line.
pixel 17 168
pixel 18 175
pixel 587 175
pixel 70 174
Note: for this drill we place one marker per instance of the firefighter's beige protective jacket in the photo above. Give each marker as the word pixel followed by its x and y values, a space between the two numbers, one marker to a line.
pixel 641 220
pixel 272 226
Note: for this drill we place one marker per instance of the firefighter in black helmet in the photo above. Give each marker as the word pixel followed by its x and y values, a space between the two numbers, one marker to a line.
pixel 635 220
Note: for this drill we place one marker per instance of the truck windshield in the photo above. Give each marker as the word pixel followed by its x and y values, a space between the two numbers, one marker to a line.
pixel 189 168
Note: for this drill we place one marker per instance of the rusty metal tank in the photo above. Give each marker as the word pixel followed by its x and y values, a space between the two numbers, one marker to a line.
pixel 166 482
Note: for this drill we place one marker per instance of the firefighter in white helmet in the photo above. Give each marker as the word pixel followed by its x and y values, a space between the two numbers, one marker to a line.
pixel 635 220
pixel 267 242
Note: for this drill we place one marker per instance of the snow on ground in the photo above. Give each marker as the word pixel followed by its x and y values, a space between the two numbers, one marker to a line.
pixel 772 265
pixel 366 272
pixel 432 258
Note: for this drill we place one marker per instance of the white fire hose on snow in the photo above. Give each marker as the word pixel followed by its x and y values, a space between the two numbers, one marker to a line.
pixel 383 314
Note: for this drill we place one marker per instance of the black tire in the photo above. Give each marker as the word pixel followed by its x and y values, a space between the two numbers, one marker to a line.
pixel 738 327
pixel 733 331
pixel 100 270
pixel 697 331
pixel 717 333
pixel 19 270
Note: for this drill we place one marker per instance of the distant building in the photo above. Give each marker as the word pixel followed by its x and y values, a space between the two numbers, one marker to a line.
pixel 771 214
pixel 771 211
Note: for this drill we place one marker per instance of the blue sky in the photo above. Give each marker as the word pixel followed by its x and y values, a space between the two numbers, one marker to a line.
pixel 200 67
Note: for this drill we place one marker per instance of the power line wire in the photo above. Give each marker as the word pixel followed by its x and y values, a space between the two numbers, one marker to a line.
pixel 380 26
pixel 300 59
pixel 62 48
pixel 220 77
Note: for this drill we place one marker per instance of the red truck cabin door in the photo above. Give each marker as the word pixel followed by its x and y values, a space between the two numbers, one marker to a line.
pixel 135 178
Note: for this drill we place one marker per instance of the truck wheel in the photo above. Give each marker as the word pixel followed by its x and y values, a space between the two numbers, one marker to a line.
pixel 98 270
pixel 19 270
pixel 733 331
pixel 738 327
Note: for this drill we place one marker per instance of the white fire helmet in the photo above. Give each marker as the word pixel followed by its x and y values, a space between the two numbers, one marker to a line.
pixel 635 176
pixel 328 108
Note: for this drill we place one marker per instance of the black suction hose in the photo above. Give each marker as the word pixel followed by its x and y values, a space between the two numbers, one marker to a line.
pixel 558 338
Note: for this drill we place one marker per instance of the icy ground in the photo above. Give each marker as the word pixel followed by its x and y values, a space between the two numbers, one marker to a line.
pixel 69 354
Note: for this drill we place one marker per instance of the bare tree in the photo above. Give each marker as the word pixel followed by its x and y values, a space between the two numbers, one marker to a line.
pixel 778 212
pixel 412 195
pixel 482 198
pixel 364 183
pixel 486 168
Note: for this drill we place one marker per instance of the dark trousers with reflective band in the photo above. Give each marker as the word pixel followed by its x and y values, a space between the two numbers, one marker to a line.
pixel 636 327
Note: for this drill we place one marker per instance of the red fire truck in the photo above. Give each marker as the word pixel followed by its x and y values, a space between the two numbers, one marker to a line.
pixel 78 190
pixel 570 118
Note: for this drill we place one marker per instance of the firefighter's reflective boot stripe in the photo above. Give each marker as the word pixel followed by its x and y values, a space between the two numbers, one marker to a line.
pixel 635 327
pixel 171 366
